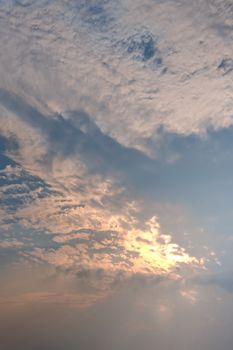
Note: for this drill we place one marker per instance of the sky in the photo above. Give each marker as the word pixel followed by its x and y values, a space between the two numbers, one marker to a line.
pixel 116 162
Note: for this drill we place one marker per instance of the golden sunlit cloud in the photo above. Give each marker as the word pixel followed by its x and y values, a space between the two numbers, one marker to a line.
pixel 117 249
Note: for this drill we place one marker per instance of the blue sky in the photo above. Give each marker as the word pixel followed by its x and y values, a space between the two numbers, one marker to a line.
pixel 116 165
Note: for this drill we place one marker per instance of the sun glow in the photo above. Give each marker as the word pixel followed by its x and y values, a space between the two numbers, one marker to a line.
pixel 155 251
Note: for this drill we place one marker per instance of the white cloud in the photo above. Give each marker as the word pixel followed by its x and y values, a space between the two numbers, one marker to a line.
pixel 59 43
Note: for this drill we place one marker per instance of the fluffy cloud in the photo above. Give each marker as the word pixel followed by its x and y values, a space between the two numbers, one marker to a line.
pixel 186 94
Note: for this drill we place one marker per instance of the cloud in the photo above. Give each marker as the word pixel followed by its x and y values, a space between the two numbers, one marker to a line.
pixel 118 251
pixel 115 174
pixel 72 136
pixel 95 220
pixel 189 97
pixel 10 243
pixel 19 188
